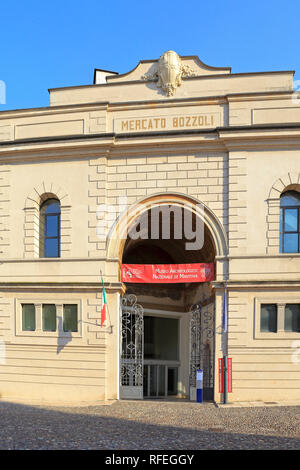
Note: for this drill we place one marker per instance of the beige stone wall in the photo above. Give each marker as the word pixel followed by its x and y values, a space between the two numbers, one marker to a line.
pixel 119 91
pixel 266 366
pixel 230 141
pixel 53 367
pixel 202 176
pixel 36 366
pixel 5 210
pixel 32 183
pixel 238 201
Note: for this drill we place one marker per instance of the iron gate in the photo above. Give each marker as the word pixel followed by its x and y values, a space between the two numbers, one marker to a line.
pixel 132 347
pixel 202 327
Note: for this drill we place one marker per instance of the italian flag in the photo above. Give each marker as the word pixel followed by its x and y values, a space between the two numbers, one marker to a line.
pixel 104 304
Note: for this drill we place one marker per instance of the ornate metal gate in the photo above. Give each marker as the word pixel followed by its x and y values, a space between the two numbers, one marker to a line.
pixel 202 327
pixel 132 348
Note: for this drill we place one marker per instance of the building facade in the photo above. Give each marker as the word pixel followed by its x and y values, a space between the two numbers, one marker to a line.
pixel 77 175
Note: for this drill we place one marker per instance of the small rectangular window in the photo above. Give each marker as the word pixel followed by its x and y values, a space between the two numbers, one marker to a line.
pixel 70 322
pixel 28 317
pixel 268 318
pixel 49 317
pixel 292 317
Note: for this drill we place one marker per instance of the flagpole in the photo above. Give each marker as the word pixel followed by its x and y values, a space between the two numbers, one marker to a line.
pixel 109 318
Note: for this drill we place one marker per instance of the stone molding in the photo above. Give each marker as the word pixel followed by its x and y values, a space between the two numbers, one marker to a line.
pixel 38 195
pixel 289 181
pixel 116 238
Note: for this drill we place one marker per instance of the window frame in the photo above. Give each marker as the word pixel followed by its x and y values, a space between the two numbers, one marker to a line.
pixel 43 319
pixel 276 318
pixel 63 318
pixel 39 332
pixel 282 231
pixel 43 225
pixel 281 333
pixel 23 314
pixel 291 331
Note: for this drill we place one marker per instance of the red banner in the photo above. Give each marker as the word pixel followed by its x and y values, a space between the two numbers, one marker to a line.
pixel 167 273
pixel 229 375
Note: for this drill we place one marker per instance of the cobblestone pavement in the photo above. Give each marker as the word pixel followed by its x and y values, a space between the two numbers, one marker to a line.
pixel 150 425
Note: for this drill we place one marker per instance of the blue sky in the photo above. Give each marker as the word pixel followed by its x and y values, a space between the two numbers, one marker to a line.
pixel 47 44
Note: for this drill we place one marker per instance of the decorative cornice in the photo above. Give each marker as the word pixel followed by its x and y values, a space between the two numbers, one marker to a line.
pixel 140 104
pixel 63 286
pixel 113 79
pixel 281 136
pixel 259 256
pixel 256 284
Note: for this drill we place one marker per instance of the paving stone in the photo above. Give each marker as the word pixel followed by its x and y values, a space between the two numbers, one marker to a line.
pixel 148 425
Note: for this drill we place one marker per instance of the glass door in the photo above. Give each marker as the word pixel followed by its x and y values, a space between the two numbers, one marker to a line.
pixel 160 380
pixel 161 356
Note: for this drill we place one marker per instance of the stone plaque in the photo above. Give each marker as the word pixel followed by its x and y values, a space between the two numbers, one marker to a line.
pixel 167 122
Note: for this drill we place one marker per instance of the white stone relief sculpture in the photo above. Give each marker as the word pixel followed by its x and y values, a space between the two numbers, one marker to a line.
pixel 170 72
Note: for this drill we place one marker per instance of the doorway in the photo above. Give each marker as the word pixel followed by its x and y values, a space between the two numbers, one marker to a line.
pixel 164 339
pixel 161 356
pixel 161 351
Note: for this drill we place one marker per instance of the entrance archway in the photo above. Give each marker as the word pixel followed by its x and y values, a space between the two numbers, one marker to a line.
pixel 168 329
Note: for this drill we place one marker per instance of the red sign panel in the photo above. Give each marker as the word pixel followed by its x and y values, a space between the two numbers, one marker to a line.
pixel 167 273
pixel 229 375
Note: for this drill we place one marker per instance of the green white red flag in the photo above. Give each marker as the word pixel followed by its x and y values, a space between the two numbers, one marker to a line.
pixel 104 304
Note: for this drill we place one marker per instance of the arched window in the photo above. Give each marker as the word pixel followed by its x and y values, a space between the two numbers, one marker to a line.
pixel 50 229
pixel 289 222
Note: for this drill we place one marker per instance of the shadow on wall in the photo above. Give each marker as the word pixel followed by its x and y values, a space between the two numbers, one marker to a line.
pixel 62 341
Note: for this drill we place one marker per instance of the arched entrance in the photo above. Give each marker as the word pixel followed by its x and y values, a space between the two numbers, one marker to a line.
pixel 167 330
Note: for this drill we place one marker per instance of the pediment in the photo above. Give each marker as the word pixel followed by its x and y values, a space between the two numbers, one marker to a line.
pixel 149 67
